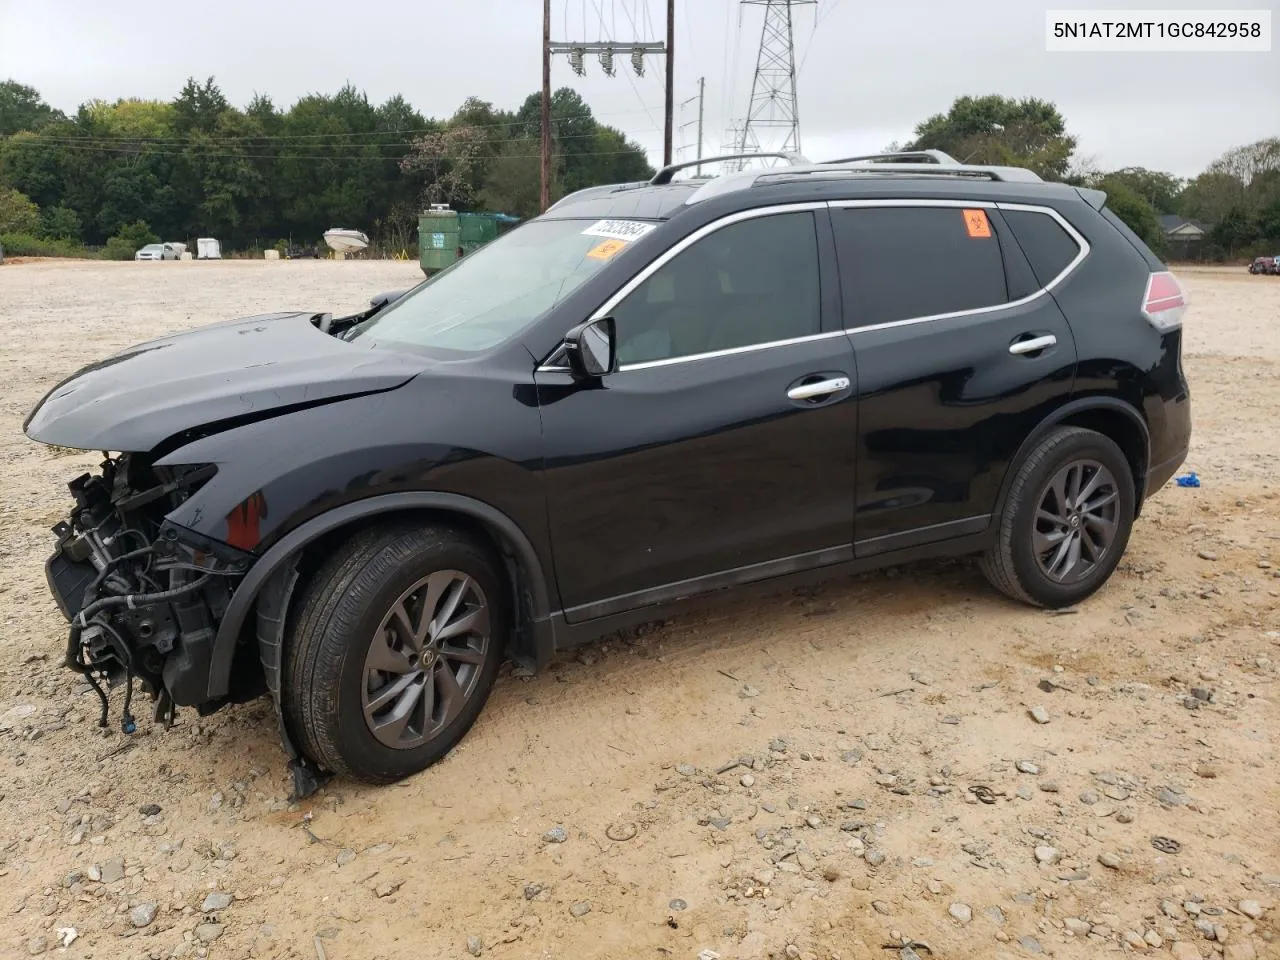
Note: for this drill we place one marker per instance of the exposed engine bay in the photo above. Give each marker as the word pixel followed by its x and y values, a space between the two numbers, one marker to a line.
pixel 143 602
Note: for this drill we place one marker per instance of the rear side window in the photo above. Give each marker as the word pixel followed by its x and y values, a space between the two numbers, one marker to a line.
pixel 1153 261
pixel 901 263
pixel 1049 248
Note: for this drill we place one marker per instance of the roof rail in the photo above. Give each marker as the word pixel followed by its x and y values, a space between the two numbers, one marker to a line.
pixel 747 179
pixel 905 156
pixel 663 176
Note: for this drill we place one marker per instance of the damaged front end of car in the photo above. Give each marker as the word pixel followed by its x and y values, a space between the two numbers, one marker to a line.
pixel 143 596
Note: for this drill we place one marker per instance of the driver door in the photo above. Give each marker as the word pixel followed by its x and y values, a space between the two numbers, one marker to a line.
pixel 722 448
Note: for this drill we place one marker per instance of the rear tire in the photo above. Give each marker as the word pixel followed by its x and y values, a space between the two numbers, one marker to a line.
pixel 393 651
pixel 1066 521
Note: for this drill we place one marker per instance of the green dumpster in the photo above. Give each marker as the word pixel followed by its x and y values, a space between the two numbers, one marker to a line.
pixel 439 238
pixel 476 229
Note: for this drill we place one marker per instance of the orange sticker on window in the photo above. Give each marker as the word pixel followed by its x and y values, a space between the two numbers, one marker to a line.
pixel 976 222
pixel 606 249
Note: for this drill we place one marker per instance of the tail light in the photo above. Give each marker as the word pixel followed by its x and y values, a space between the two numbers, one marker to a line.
pixel 1165 301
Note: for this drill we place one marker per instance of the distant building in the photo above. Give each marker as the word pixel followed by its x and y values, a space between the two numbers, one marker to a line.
pixel 1184 237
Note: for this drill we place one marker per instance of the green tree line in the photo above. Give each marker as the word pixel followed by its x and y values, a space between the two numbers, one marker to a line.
pixel 127 172
pixel 137 170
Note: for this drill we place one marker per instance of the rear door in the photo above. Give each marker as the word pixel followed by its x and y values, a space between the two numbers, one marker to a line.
pixel 722 449
pixel 960 352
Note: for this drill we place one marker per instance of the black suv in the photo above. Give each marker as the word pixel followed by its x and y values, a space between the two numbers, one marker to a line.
pixel 651 392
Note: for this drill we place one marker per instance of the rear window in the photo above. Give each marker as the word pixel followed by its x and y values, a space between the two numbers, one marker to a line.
pixel 900 263
pixel 1049 248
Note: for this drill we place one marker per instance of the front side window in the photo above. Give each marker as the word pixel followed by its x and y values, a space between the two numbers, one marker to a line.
pixel 901 263
pixel 495 292
pixel 751 282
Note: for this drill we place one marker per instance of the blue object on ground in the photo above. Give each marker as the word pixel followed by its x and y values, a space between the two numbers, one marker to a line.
pixel 1188 480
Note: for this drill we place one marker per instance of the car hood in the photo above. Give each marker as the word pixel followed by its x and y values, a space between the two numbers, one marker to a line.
pixel 220 375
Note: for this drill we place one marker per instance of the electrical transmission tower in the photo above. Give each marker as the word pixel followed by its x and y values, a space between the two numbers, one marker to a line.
pixel 773 108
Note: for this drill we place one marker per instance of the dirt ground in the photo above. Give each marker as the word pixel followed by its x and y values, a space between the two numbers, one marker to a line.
pixel 794 775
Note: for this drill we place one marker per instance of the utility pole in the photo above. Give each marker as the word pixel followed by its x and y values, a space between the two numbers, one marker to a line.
pixel 545 198
pixel 702 96
pixel 671 80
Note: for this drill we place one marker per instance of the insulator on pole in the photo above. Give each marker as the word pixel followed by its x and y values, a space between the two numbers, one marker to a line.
pixel 575 61
pixel 606 61
pixel 637 60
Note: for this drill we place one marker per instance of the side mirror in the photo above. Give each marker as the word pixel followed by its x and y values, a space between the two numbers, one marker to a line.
pixel 592 348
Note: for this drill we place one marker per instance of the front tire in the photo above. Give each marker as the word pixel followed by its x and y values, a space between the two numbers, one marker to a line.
pixel 1066 521
pixel 393 651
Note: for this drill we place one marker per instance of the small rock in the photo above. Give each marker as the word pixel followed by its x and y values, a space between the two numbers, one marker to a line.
pixel 345 856
pixel 995 915
pixel 1251 909
pixel 1039 714
pixel 686 769
pixel 879 906
pixel 874 858
pixel 1240 950
pixel 149 809
pixel 1049 786
pixel 37 946
pixel 113 870
pixel 748 691
pixel 748 780
pixel 1026 766
pixel 580 909
pixel 386 889
pixel 678 904
pixel 531 890
pixel 1203 694
pixel 1124 815
pixel 1024 793
pixel 1134 939
pixel 475 946
pixel 1089 798
pixel 1153 939
pixel 1209 771
pixel 830 874
pixel 556 835
pixel 1077 927
pixel 814 821
pixel 1030 944
pixel 1171 799
pixel 1206 555
pixel 1182 950
pixel 143 914
pixel 208 932
pixel 1109 860
pixel 960 912
pixel 216 901
pixel 63 805
pixel 1047 854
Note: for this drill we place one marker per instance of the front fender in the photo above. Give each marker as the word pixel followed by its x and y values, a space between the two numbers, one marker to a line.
pixel 281 558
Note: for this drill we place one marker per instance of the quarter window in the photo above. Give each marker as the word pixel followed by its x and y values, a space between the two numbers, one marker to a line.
pixel 1048 247
pixel 751 282
pixel 900 263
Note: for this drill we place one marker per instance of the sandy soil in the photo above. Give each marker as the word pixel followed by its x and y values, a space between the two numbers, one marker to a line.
pixel 860 716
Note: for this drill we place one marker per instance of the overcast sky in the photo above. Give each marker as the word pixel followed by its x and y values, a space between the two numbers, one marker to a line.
pixel 868 72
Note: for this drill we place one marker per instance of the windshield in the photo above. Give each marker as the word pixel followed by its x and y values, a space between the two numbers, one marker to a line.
pixel 495 292
pixel 153 247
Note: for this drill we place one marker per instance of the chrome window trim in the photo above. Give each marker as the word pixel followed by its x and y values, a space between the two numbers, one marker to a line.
pixel 1081 243
pixel 555 363
pixel 669 254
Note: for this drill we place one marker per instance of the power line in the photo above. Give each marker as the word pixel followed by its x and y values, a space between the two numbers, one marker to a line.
pixel 322 156
pixel 123 144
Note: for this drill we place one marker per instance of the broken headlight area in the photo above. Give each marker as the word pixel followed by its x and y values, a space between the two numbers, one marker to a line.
pixel 143 596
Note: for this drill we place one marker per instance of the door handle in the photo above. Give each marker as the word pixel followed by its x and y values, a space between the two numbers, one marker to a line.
pixel 1035 344
pixel 808 391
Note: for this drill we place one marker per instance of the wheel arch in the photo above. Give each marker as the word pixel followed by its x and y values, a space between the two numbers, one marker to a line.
pixel 1109 416
pixel 276 571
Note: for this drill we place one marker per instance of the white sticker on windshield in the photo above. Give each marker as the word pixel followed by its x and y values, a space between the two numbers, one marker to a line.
pixel 618 229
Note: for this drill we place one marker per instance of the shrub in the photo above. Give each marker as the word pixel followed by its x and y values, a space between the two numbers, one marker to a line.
pixel 60 223
pixel 17 213
pixel 128 240
pixel 25 245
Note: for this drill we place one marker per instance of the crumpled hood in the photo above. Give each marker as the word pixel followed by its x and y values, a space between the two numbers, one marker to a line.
pixel 135 399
